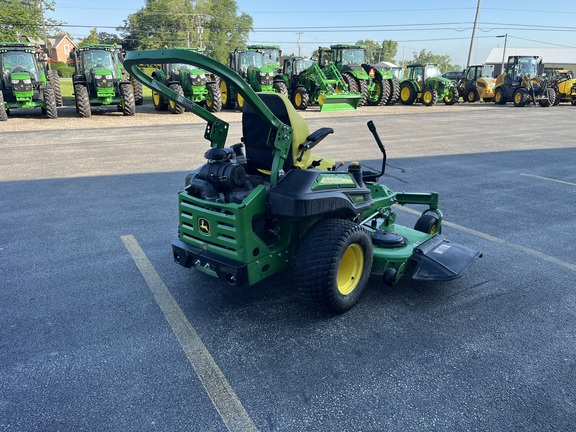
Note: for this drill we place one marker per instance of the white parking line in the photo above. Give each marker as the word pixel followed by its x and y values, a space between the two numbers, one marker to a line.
pixel 548 179
pixel 524 249
pixel 223 397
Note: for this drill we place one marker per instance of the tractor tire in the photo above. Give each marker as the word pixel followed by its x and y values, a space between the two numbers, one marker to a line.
pixel 82 100
pixel 213 98
pixel 333 264
pixel 394 91
pixel 280 87
pixel 350 82
pixel 138 92
pixel 159 103
pixel 300 98
pixel 452 97
pixel 408 94
pixel 128 104
pixel 558 99
pixel 551 99
pixel 363 90
pixel 429 96
pixel 428 224
pixel 3 112
pixel 521 97
pixel 49 103
pixel 176 108
pixel 381 93
pixel 499 97
pixel 54 81
pixel 227 100
pixel 472 96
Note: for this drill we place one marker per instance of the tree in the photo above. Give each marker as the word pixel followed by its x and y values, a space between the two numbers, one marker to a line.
pixel 23 18
pixel 389 50
pixel 372 51
pixel 213 24
pixel 109 38
pixel 92 38
pixel 444 61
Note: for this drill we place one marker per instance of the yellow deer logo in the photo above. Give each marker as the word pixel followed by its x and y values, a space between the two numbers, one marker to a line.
pixel 204 226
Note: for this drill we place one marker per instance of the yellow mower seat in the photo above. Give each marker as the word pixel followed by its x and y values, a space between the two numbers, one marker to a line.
pixel 256 130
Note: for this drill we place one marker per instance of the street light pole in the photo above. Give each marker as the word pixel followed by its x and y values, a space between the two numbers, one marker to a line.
pixel 505 36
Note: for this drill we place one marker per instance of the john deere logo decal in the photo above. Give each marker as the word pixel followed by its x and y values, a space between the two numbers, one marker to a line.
pixel 204 226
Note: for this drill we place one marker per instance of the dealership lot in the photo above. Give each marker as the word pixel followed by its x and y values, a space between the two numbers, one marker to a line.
pixel 101 330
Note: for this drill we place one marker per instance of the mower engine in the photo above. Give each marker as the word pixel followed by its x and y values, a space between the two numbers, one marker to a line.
pixel 223 177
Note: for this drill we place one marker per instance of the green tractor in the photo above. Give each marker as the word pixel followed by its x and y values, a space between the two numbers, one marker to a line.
pixel 424 83
pixel 272 55
pixel 307 84
pixel 522 83
pixel 250 65
pixel 192 82
pixel 23 81
pixel 267 204
pixel 376 84
pixel 98 80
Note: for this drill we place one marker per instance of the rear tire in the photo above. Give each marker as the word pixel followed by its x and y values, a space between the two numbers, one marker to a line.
pixel 407 94
pixel 350 82
pixel 280 87
pixel 138 93
pixel 176 108
pixel 227 100
pixel 50 103
pixel 54 81
pixel 394 91
pixel 3 112
pixel 82 100
pixel 128 103
pixel 213 98
pixel 333 265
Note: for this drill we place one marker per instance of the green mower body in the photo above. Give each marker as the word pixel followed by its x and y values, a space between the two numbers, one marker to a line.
pixel 268 203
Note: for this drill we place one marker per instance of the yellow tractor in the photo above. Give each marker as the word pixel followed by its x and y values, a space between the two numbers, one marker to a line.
pixel 478 84
pixel 565 85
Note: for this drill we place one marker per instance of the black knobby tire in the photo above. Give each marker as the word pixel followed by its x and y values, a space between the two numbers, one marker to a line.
pixel 333 264
pixel 3 112
pixel 363 90
pixel 128 103
pixel 499 97
pixel 429 96
pixel 54 81
pixel 452 97
pixel 382 93
pixel 521 97
pixel 300 98
pixel 394 91
pixel 138 92
pixel 558 98
pixel 407 93
pixel 82 100
pixel 213 98
pixel 551 98
pixel 227 99
pixel 280 87
pixel 350 82
pixel 50 103
pixel 472 95
pixel 176 108
pixel 428 224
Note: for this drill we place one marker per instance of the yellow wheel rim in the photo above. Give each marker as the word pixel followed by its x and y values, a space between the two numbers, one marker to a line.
pixel 518 97
pixel 427 97
pixel 498 96
pixel 298 99
pixel 405 94
pixel 350 269
pixel 224 91
pixel 156 98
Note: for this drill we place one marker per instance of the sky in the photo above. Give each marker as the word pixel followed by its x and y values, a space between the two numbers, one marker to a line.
pixel 443 27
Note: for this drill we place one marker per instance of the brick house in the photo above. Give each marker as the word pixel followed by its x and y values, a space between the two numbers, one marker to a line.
pixel 59 47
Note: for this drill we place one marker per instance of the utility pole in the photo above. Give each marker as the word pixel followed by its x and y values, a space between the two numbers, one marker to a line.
pixel 473 35
pixel 299 46
pixel 505 36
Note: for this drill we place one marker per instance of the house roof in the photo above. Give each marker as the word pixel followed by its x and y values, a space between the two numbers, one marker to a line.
pixel 53 42
pixel 548 55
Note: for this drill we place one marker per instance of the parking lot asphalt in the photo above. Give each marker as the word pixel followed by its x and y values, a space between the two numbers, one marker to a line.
pixel 101 330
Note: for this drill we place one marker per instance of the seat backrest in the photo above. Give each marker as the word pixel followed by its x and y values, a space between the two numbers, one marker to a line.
pixel 256 130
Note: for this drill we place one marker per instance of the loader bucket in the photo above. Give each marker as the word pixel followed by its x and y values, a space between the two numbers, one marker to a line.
pixel 338 102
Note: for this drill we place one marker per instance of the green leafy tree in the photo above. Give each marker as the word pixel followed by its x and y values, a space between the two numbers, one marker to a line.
pixel 444 61
pixel 108 38
pixel 92 38
pixel 372 51
pixel 389 50
pixel 23 18
pixel 211 24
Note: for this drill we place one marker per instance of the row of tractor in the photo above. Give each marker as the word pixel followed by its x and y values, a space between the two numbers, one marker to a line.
pixel 337 78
